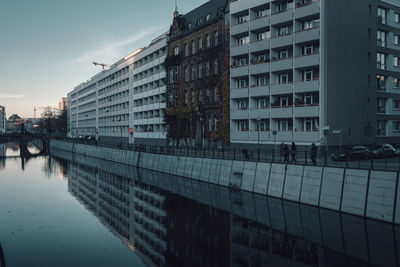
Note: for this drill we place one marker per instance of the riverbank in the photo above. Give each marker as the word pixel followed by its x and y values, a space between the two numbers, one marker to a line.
pixel 367 193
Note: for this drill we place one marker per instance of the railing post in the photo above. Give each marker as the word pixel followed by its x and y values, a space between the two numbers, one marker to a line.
pixel 273 156
pixel 234 154
pixel 213 153
pixel 305 157
pixel 258 154
pixel 223 152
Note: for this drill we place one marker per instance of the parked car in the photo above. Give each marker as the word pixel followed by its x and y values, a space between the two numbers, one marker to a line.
pixel 356 152
pixel 360 152
pixel 385 151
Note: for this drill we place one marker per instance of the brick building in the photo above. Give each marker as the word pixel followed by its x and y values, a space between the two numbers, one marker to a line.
pixel 195 65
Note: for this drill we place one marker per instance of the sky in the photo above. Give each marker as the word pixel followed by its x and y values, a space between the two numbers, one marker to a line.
pixel 47 46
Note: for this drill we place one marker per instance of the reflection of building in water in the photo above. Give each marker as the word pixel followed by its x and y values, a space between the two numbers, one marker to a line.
pixel 3 119
pixel 106 195
pixel 148 224
pixel 3 148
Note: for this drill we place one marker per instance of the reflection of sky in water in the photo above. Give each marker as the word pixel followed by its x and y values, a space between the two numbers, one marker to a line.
pixel 43 225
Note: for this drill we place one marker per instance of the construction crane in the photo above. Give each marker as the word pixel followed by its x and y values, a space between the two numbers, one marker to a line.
pixel 100 64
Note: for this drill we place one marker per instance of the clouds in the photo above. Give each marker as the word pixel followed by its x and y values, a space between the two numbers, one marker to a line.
pixel 112 51
pixel 7 95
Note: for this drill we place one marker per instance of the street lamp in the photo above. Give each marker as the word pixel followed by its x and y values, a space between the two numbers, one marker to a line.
pixel 258 127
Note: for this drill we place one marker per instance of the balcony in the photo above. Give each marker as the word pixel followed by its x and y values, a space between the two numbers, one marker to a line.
pixel 283 88
pixel 239 135
pixel 239 114
pixel 283 136
pixel 239 93
pixel 281 64
pixel 381 132
pixel 308 9
pixel 307 35
pixel 259 23
pixel 306 61
pixel 259 91
pixel 260 135
pixel 256 68
pixel 239 71
pixel 381 110
pixel 304 111
pixel 281 17
pixel 281 112
pixel 240 28
pixel 281 40
pixel 306 86
pixel 257 46
pixel 239 50
pixel 262 113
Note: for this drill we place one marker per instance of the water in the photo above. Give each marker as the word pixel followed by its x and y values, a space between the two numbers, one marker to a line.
pixel 75 211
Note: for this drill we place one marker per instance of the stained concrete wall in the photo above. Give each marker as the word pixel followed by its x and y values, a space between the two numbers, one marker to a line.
pixel 331 189
pixel 311 186
pixel 276 180
pixel 261 179
pixel 293 181
pixel 355 191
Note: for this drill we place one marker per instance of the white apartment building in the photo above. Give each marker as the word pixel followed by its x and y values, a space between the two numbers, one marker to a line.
pixel 104 106
pixel 300 66
pixel 147 96
pixel 3 119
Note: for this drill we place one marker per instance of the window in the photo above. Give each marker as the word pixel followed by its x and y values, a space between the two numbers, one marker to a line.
pixel 283 54
pixel 243 40
pixel 262 125
pixel 396 125
pixel 215 66
pixel 193 72
pixel 208 41
pixel 192 96
pixel 310 24
pixel 262 80
pixel 285 124
pixel 397 17
pixel 193 47
pixel 200 69
pixel 381 82
pixel 208 94
pixel 396 61
pixel 262 103
pixel 216 97
pixel 243 18
pixel 381 105
pixel 263 35
pixel 243 103
pixel 262 13
pixel 396 104
pixel 381 128
pixel 381 61
pixel 186 97
pixel 283 78
pixel 201 96
pixel 176 50
pixel 208 68
pixel 243 83
pixel 282 7
pixel 381 38
pixel 242 61
pixel 310 49
pixel 307 75
pixel 208 16
pixel 200 43
pixel 303 2
pixel 171 75
pixel 382 14
pixel 396 83
pixel 186 73
pixel 243 125
pixel 215 38
pixel 397 39
pixel 186 47
pixel 283 30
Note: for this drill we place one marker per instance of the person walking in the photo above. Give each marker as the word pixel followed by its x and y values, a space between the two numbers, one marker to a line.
pixel 314 154
pixel 286 153
pixel 293 152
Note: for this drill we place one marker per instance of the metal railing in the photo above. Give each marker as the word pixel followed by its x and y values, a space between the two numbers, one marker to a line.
pixel 300 157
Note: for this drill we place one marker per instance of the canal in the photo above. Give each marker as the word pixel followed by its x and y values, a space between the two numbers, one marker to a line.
pixel 69 210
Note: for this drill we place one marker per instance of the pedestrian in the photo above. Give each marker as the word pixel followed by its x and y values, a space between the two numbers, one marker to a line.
pixel 293 152
pixel 286 153
pixel 314 154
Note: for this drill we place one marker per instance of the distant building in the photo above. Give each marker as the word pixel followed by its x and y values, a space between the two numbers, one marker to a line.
pixel 2 119
pixel 62 103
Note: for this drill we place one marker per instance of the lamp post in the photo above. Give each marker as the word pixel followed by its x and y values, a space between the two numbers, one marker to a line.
pixel 258 128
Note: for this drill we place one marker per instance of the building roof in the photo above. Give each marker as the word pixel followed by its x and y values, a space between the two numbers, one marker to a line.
pixel 201 16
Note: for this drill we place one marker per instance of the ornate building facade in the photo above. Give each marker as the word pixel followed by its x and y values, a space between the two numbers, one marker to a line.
pixel 195 64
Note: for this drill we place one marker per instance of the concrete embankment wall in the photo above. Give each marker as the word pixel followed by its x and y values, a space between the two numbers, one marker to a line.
pixel 373 194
